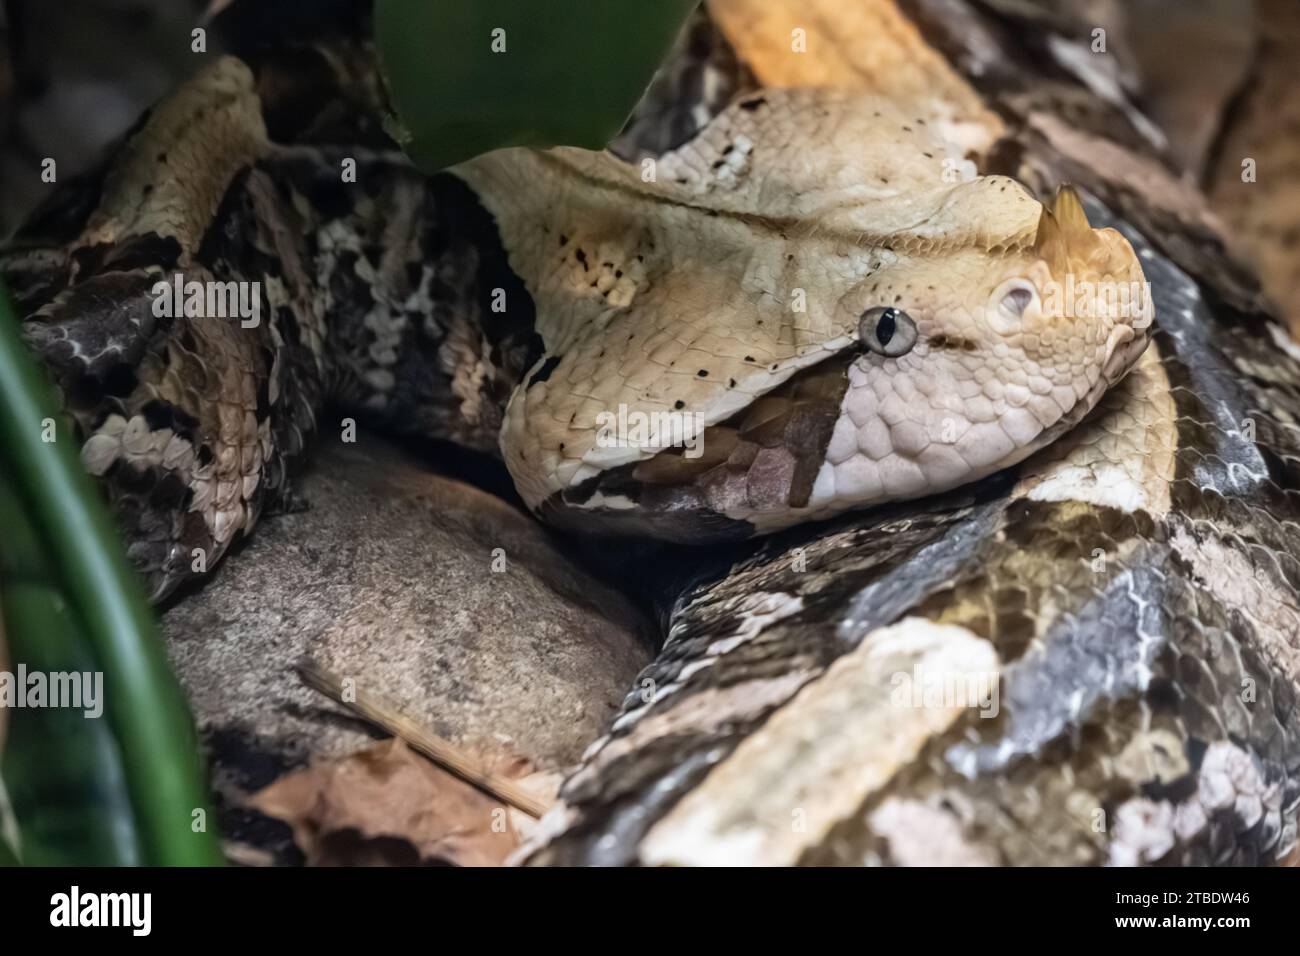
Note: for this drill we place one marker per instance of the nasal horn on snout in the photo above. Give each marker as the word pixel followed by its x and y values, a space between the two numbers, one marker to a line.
pixel 1065 239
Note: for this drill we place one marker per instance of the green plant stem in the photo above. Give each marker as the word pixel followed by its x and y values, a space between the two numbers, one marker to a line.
pixel 143 702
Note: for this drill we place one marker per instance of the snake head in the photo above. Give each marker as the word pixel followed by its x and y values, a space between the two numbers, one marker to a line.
pixel 990 351
pixel 864 322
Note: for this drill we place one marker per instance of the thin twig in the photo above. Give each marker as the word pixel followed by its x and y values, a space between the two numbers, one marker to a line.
pixel 441 752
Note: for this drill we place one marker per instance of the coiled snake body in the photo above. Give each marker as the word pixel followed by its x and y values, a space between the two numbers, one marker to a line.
pixel 811 304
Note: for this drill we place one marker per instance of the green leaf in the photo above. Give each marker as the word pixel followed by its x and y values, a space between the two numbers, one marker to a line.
pixel 70 601
pixel 63 771
pixel 569 73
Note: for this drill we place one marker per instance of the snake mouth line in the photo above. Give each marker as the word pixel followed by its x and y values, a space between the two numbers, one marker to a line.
pixel 764 457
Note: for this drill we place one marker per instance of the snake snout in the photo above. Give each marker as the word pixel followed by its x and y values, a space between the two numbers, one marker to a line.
pixel 1123 348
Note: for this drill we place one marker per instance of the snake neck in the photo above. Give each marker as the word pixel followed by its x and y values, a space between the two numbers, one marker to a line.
pixel 377 290
pixel 423 328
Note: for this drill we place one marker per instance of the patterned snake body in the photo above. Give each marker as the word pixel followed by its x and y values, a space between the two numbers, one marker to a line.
pixel 1121 589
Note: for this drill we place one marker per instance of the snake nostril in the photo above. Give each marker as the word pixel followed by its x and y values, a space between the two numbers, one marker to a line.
pixel 1018 299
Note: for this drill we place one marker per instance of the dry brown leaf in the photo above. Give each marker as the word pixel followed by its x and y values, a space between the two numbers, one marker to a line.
pixel 388 806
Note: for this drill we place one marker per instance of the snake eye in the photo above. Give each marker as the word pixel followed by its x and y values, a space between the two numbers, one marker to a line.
pixel 887 331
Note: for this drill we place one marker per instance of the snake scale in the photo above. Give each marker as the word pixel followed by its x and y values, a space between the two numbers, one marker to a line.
pixel 1113 624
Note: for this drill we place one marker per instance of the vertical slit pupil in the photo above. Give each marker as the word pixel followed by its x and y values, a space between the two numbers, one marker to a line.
pixel 885 327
